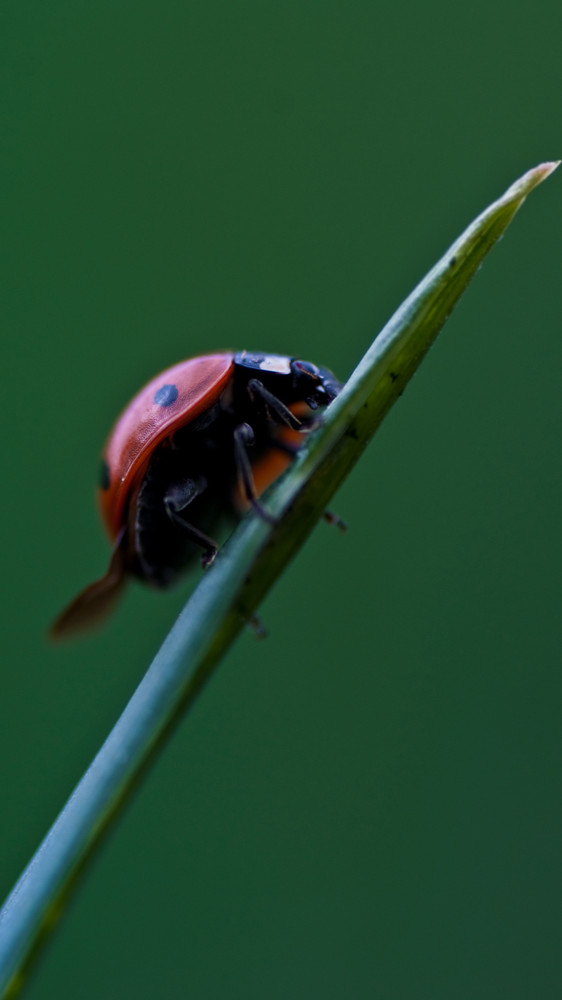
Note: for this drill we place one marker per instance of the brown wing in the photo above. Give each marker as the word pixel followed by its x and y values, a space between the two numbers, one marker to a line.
pixel 96 601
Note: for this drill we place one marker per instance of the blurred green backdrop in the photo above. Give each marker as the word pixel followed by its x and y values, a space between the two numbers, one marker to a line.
pixel 368 803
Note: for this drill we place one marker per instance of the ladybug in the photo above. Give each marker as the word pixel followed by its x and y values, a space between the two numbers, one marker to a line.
pixel 197 445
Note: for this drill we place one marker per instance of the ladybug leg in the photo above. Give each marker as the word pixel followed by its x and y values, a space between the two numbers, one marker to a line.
pixel 282 412
pixel 244 437
pixel 335 520
pixel 176 500
pixel 257 627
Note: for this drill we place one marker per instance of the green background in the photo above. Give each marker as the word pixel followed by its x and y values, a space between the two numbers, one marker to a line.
pixel 367 804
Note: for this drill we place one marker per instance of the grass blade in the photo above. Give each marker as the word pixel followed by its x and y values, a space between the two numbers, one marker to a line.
pixel 242 574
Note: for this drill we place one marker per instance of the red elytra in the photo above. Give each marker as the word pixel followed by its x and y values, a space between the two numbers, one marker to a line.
pixel 145 423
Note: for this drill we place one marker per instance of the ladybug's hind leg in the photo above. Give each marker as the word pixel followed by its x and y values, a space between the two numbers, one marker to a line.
pixel 176 500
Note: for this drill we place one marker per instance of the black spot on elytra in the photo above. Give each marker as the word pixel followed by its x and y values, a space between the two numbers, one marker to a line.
pixel 105 478
pixel 166 395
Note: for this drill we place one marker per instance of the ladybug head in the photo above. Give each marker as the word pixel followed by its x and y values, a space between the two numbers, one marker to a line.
pixel 319 386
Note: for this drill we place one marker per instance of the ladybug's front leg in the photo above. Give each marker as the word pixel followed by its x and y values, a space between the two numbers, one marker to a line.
pixel 276 407
pixel 177 498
